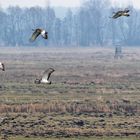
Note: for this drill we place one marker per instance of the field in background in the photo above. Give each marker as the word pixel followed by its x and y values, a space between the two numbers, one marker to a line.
pixel 77 138
pixel 91 93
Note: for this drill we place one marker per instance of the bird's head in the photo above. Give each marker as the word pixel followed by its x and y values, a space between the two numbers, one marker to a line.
pixel 3 67
pixel 37 81
pixel 49 82
pixel 52 70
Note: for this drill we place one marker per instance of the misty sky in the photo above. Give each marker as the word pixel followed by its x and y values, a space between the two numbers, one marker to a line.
pixel 65 3
pixel 125 3
pixel 43 3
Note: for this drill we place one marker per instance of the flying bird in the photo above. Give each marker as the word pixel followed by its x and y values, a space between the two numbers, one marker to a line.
pixel 45 78
pixel 38 32
pixel 121 13
pixel 2 66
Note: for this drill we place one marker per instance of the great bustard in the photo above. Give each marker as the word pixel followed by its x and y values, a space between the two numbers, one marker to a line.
pixel 38 32
pixel 2 66
pixel 45 78
pixel 121 13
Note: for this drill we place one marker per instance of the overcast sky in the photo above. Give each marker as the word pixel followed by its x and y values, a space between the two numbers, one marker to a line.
pixel 125 3
pixel 28 3
pixel 65 3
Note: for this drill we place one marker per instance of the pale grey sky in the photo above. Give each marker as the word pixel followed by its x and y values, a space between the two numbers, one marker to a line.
pixel 29 3
pixel 125 3
pixel 65 3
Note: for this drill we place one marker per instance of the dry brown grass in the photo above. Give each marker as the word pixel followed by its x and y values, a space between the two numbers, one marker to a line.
pixel 72 107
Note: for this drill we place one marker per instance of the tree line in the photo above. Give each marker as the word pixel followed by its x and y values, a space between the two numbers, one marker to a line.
pixel 91 25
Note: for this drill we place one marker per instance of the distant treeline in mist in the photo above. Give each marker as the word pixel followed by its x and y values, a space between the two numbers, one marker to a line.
pixel 91 25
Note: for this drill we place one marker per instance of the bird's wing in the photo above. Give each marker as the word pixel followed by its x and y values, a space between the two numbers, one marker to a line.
pixel 0 65
pixel 126 10
pixel 47 74
pixel 116 15
pixel 35 34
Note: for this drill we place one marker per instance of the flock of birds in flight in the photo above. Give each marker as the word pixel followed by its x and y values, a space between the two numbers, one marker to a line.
pixel 46 75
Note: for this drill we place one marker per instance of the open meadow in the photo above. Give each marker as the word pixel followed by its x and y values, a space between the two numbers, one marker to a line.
pixel 92 95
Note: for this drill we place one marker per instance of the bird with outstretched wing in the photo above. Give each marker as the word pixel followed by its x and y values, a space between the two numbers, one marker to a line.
pixel 38 32
pixel 121 13
pixel 45 77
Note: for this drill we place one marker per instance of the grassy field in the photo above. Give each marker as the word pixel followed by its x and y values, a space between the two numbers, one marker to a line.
pixel 78 138
pixel 92 94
